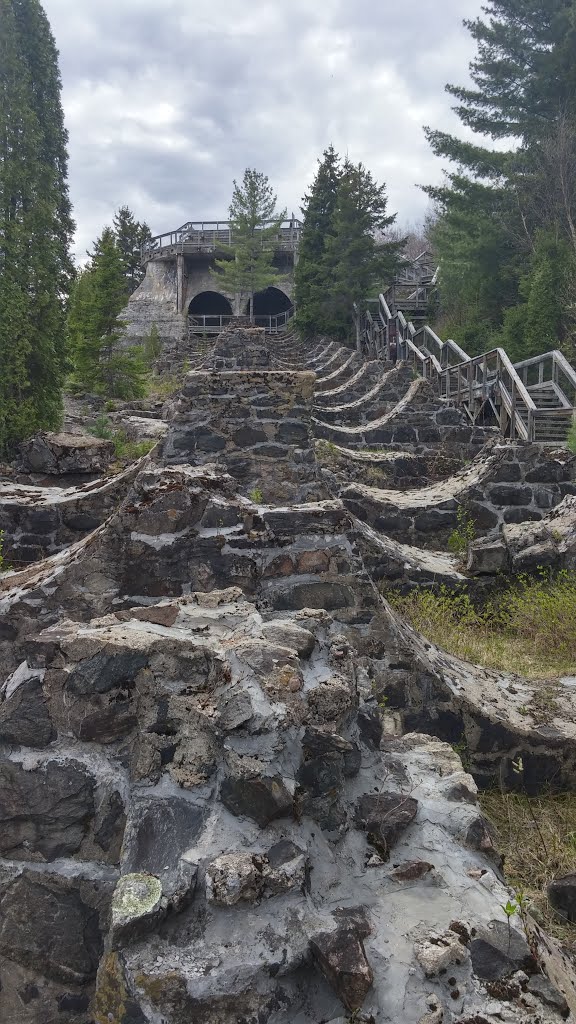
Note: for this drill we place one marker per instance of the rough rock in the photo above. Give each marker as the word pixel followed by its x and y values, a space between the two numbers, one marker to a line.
pixel 341 957
pixel 562 896
pixel 499 950
pixel 385 816
pixel 60 454
pixel 216 733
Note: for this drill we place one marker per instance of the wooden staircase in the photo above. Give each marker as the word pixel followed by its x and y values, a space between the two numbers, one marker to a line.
pixel 532 400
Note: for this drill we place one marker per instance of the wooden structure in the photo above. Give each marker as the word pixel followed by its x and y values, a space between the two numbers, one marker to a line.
pixel 533 400
pixel 212 237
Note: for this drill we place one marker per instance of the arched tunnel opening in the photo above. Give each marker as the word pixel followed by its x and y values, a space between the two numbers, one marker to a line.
pixel 211 306
pixel 270 302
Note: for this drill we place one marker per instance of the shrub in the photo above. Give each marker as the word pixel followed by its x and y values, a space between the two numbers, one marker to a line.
pixel 464 532
pixel 529 628
pixel 152 345
pixel 102 428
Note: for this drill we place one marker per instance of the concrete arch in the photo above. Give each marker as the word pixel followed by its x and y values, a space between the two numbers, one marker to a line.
pixel 209 303
pixel 270 302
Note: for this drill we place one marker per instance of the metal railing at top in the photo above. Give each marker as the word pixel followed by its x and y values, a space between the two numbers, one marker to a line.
pixel 214 235
pixel 472 381
pixel 216 323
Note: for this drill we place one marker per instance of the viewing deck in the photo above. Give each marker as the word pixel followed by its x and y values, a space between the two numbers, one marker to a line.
pixel 213 237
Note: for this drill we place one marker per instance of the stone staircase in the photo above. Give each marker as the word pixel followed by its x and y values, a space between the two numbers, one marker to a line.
pixel 228 788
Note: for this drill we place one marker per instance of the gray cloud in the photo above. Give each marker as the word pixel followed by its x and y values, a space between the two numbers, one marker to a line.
pixel 167 103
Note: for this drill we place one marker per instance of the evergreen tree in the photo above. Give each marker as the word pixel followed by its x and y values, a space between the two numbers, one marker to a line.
pixel 525 88
pixel 255 224
pixel 102 361
pixel 131 235
pixel 35 224
pixel 318 210
pixel 537 324
pixel 356 263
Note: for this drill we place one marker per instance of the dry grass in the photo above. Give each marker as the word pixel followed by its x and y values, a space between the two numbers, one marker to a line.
pixel 529 629
pixel 537 837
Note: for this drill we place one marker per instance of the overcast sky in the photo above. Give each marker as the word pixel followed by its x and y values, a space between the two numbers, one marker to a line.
pixel 166 101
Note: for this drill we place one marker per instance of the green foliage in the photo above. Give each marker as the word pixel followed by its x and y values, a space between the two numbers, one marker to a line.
pixel 357 262
pixel 130 235
pixel 535 835
pixel 318 209
pixel 129 451
pixel 35 224
pixel 125 449
pixel 102 428
pixel 102 364
pixel 537 324
pixel 505 235
pixel 529 627
pixel 571 442
pixel 342 258
pixel 464 532
pixel 3 564
pixel 152 345
pixel 255 224
pixel 256 495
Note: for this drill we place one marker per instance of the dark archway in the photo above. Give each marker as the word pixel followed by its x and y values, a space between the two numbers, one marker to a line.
pixel 210 304
pixel 270 302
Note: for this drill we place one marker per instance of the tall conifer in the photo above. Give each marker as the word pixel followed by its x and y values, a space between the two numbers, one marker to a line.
pixel 318 211
pixel 358 263
pixel 131 234
pixel 103 362
pixel 497 202
pixel 255 223
pixel 35 223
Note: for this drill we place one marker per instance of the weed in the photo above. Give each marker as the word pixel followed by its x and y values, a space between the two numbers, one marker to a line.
pixel 4 567
pixel 102 428
pixel 130 451
pixel 536 836
pixel 124 449
pixel 529 628
pixel 152 345
pixel 256 495
pixel 509 909
pixel 326 449
pixel 571 439
pixel 463 533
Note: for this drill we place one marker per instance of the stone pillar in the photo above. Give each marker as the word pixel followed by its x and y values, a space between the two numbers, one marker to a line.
pixel 180 283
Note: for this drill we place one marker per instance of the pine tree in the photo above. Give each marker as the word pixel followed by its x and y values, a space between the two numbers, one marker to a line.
pixel 102 362
pixel 35 224
pixel 318 211
pixel 537 324
pixel 356 263
pixel 255 223
pixel 131 235
pixel 525 88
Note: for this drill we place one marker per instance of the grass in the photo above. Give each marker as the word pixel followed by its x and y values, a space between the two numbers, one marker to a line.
pixel 529 628
pixel 537 837
pixel 571 439
pixel 4 567
pixel 125 449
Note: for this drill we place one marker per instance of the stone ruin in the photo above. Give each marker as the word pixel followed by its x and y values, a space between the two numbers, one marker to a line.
pixel 228 788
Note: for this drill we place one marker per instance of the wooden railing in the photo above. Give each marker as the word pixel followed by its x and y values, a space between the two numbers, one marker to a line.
pixel 532 399
pixel 214 236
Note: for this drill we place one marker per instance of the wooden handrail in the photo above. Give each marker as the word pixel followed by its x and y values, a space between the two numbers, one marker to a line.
pixel 205 235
